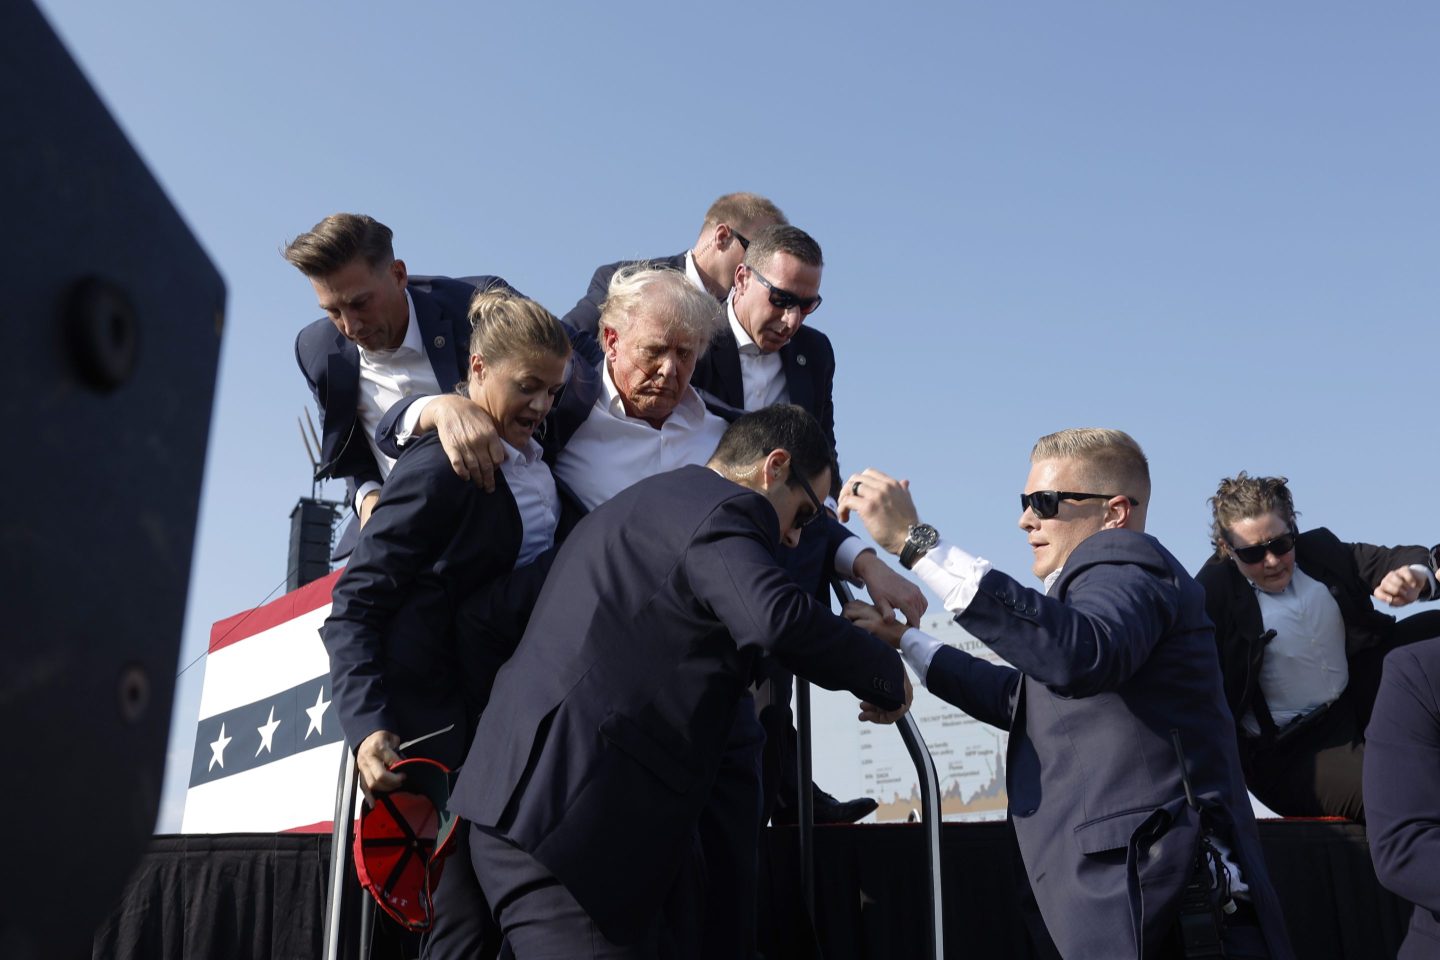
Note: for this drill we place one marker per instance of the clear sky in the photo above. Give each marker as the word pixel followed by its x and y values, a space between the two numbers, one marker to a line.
pixel 1212 225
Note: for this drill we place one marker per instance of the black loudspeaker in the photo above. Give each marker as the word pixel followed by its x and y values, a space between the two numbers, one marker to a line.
pixel 111 321
pixel 312 524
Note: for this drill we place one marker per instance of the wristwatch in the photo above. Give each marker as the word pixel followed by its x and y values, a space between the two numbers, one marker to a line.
pixel 920 539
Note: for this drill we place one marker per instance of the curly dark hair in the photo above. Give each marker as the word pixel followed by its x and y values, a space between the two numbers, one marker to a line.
pixel 1242 497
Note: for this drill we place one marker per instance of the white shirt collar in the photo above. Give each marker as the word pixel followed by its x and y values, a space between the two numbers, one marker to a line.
pixel 743 339
pixel 1050 580
pixel 531 452
pixel 693 272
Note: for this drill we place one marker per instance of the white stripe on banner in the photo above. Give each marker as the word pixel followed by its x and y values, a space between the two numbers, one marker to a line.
pixel 297 791
pixel 279 658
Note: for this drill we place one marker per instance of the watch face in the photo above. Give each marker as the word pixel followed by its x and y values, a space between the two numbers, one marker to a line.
pixel 924 536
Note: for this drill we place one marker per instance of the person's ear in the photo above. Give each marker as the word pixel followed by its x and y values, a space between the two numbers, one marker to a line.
pixel 776 469
pixel 1118 511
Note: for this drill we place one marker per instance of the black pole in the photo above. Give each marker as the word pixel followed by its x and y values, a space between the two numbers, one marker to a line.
pixel 806 798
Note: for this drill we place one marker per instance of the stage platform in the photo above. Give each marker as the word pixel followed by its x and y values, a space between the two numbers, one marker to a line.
pixel 262 896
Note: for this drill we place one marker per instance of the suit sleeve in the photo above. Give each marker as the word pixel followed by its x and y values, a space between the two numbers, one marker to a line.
pixel 1112 617
pixel 984 690
pixel 732 570
pixel 1402 780
pixel 385 430
pixel 413 521
pixel 585 315
pixel 1375 562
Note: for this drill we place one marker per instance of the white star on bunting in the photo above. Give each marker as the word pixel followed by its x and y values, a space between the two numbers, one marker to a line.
pixel 267 733
pixel 317 713
pixel 217 750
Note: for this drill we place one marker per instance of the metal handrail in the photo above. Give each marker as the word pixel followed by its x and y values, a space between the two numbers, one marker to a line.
pixel 340 839
pixel 342 836
pixel 930 813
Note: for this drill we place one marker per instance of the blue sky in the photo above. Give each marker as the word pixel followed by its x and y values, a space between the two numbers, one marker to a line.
pixel 1212 225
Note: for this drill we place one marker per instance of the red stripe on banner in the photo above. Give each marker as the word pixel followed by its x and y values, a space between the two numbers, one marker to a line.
pixel 324 826
pixel 309 597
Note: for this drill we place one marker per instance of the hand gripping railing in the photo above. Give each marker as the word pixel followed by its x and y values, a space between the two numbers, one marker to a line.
pixel 929 802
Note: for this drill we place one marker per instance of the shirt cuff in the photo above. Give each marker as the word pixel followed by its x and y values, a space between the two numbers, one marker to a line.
pixel 917 649
pixel 363 491
pixel 846 554
pixel 952 573
pixel 1428 593
pixel 410 419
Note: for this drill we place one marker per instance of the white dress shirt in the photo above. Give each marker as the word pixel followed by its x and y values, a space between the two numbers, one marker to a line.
pixel 612 449
pixel 762 374
pixel 1304 666
pixel 385 377
pixel 533 487
pixel 955 576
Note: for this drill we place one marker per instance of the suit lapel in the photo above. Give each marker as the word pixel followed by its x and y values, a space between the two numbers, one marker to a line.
pixel 435 332
pixel 798 382
pixel 727 383
pixel 572 409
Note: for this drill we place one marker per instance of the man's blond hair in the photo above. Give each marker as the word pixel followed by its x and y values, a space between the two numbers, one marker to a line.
pixel 742 211
pixel 1112 459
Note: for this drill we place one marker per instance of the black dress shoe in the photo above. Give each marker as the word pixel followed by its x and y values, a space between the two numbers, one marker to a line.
pixel 827 809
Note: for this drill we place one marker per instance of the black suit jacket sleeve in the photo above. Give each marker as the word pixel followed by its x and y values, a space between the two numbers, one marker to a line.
pixel 1118 603
pixel 417 510
pixel 732 569
pixel 1374 562
pixel 1402 775
pixel 984 690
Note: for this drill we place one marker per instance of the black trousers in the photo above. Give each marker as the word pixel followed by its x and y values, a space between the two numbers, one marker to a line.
pixel 542 921
pixel 464 928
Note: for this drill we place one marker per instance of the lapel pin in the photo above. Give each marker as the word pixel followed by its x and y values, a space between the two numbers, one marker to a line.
pixel 800 359
pixel 439 342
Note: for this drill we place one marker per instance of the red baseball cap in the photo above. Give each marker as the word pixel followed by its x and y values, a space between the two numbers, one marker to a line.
pixel 402 841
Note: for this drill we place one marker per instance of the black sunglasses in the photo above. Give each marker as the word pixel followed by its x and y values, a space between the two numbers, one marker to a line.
pixel 1255 553
pixel 744 242
pixel 1046 503
pixel 805 521
pixel 784 299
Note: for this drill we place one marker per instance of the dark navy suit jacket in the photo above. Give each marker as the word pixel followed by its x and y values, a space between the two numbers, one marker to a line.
pixel 605 731
pixel 1402 789
pixel 585 315
pixel 1104 668
pixel 432 540
pixel 809 364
